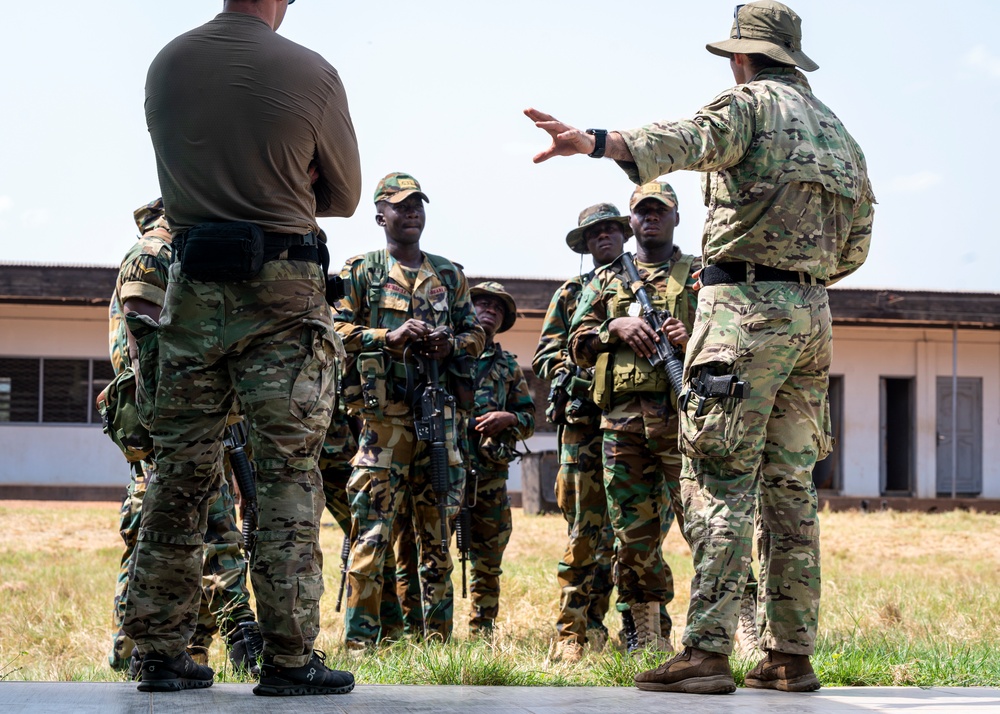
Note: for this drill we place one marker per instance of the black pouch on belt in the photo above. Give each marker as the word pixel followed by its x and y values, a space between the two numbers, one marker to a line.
pixel 222 252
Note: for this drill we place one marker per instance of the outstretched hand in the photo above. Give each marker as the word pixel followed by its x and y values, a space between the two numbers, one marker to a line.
pixel 566 140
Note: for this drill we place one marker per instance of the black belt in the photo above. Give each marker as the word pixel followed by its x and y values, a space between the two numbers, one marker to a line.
pixel 736 273
pixel 291 246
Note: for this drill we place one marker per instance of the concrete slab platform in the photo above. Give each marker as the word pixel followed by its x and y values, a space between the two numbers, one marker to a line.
pixel 119 697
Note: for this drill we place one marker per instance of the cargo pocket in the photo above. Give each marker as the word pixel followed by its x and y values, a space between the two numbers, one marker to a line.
pixel 313 389
pixel 711 427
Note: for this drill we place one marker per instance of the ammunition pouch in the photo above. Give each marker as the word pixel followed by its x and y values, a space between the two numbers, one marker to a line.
pixel 120 417
pixel 602 389
pixel 632 373
pixel 373 369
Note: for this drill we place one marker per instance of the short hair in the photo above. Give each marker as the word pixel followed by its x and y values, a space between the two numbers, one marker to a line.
pixel 762 61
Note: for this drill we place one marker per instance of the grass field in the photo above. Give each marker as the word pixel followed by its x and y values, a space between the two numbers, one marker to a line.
pixel 908 599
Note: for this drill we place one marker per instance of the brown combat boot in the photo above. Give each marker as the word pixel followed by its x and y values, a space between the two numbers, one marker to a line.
pixel 693 671
pixel 784 672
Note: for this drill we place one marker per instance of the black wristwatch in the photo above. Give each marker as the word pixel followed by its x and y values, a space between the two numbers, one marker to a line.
pixel 600 142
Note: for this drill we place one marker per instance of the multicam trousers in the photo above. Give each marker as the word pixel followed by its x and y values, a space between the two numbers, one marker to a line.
pixel 488 538
pixel 268 340
pixel 225 599
pixel 584 573
pixel 641 477
pixel 757 454
pixel 389 464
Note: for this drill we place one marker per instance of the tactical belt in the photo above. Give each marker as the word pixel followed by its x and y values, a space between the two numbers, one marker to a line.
pixel 277 246
pixel 736 273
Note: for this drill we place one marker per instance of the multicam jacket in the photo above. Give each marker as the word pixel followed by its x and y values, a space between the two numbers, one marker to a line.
pixel 785 185
pixel 551 360
pixel 500 386
pixel 143 274
pixel 637 386
pixel 378 298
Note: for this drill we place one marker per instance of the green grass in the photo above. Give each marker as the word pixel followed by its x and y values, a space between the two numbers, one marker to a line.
pixel 908 600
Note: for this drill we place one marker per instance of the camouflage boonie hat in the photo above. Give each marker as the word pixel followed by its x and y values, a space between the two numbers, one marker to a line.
pixel 768 28
pixel 146 217
pixel 495 289
pixel 590 216
pixel 658 190
pixel 397 187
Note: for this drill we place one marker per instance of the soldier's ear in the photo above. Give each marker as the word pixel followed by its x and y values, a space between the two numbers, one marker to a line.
pixel 380 219
pixel 677 218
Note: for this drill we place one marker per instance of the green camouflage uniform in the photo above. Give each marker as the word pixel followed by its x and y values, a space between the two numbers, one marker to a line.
pixel 641 461
pixel 500 386
pixel 225 600
pixel 786 187
pixel 269 342
pixel 391 464
pixel 584 573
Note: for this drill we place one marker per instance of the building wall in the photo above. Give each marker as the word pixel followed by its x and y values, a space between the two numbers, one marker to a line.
pixel 865 354
pixel 56 454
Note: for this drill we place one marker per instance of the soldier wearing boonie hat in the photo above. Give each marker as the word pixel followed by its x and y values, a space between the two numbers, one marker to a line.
pixel 504 414
pixel 790 211
pixel 590 217
pixel 584 573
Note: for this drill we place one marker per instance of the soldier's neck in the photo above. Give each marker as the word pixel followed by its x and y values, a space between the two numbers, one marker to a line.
pixel 657 254
pixel 406 253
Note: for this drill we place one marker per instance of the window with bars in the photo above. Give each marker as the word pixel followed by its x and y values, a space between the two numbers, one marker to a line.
pixel 51 391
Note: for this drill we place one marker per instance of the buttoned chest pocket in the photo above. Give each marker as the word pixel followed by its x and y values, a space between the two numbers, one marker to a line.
pixel 393 308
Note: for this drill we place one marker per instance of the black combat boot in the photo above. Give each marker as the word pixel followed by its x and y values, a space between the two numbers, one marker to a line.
pixel 246 646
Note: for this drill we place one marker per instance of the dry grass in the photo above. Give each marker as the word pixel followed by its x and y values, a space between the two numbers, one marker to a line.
pixel 907 599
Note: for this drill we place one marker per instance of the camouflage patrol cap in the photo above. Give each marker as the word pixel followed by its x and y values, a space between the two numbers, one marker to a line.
pixel 657 190
pixel 590 216
pixel 146 217
pixel 768 28
pixel 495 289
pixel 397 187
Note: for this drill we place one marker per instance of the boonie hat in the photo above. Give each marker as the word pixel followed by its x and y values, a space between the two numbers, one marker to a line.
pixel 495 289
pixel 397 187
pixel 658 190
pixel 768 28
pixel 590 216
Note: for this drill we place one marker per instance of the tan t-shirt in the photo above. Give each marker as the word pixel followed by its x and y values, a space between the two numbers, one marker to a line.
pixel 236 113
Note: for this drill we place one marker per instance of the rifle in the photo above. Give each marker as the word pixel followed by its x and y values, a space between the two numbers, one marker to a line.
pixel 666 353
pixel 431 428
pixel 235 441
pixel 345 553
pixel 463 524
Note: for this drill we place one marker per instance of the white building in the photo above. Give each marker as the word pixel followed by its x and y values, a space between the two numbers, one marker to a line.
pixel 897 355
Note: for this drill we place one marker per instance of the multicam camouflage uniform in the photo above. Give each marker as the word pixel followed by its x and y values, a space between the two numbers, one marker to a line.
pixel 641 461
pixel 584 573
pixel 269 342
pixel 225 600
pixel 390 461
pixel 500 386
pixel 786 187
